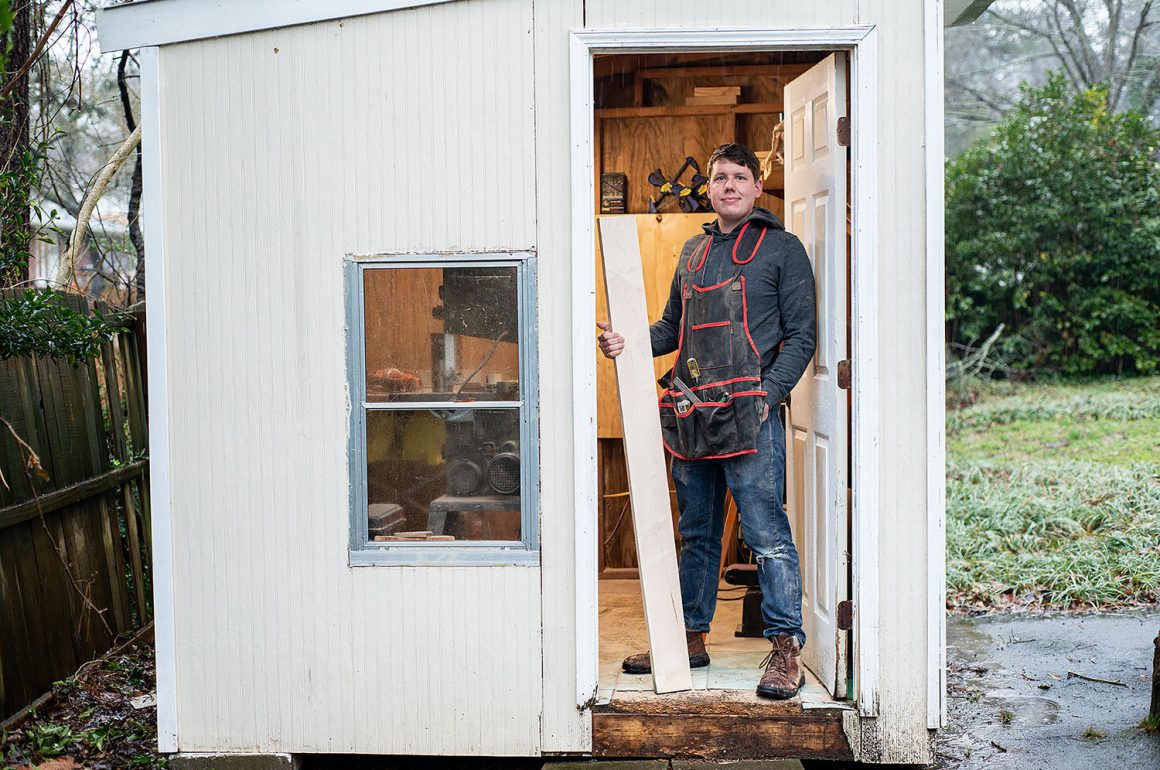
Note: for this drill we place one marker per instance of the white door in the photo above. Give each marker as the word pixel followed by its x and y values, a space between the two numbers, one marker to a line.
pixel 816 440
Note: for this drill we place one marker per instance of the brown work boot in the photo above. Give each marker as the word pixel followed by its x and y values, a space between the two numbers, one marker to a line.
pixel 698 657
pixel 783 669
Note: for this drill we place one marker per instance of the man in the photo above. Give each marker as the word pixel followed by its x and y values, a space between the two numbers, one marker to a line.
pixel 741 314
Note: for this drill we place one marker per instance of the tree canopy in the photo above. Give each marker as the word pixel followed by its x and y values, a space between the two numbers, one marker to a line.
pixel 1053 229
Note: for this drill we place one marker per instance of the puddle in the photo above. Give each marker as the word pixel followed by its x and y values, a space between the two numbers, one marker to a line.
pixel 1027 710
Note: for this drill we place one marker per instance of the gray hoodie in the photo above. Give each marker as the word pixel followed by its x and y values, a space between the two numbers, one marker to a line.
pixel 780 294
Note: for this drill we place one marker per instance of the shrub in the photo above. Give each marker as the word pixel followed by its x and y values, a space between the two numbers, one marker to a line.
pixel 1053 229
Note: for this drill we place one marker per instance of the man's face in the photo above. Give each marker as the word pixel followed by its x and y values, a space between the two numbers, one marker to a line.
pixel 732 191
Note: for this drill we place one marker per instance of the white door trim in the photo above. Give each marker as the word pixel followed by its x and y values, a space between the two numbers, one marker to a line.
pixel 156 323
pixel 936 645
pixel 865 441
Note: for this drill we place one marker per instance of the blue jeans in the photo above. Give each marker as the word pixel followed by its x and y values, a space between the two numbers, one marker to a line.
pixel 756 481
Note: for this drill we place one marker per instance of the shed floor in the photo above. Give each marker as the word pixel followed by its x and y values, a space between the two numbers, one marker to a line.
pixel 721 718
pixel 735 661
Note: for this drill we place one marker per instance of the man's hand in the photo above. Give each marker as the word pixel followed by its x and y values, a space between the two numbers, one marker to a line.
pixel 611 343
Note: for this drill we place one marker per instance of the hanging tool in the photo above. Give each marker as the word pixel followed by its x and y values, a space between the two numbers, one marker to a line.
pixel 689 198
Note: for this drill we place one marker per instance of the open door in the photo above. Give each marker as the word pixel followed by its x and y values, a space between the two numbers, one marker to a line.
pixel 816 433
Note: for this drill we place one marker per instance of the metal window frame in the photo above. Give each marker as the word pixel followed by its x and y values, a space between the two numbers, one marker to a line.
pixel 525 551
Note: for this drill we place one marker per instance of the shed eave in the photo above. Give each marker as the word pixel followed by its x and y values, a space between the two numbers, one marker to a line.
pixel 956 13
pixel 160 22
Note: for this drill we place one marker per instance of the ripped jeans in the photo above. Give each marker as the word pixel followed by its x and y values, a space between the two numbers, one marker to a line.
pixel 756 481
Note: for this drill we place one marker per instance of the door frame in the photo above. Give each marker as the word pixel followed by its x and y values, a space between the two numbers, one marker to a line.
pixel 861 42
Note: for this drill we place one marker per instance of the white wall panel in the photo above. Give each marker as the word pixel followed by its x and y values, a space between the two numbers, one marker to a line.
pixel 565 727
pixel 611 14
pixel 286 150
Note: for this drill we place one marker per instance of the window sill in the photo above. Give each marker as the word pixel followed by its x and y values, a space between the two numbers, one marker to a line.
pixel 423 555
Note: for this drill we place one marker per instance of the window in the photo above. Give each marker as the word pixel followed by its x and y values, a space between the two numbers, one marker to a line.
pixel 443 448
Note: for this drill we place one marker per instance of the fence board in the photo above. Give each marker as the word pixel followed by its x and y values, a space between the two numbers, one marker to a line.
pixel 73 541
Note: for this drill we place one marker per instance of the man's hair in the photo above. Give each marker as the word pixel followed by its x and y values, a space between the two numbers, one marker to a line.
pixel 736 153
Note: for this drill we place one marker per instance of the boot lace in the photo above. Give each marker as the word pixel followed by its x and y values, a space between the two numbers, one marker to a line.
pixel 776 659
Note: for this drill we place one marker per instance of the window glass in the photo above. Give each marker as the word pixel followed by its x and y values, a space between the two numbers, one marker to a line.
pixel 443 474
pixel 441 334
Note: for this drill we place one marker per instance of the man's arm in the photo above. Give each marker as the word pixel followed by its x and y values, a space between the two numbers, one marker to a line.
pixel 666 333
pixel 797 306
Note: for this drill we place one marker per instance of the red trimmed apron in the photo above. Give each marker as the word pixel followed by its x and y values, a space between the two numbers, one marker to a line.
pixel 712 401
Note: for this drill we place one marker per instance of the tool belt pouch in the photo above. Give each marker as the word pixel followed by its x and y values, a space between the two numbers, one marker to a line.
pixel 720 424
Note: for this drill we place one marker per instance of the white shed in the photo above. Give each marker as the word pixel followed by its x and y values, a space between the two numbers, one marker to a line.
pixel 383 490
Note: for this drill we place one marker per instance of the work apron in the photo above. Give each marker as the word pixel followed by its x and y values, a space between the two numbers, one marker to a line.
pixel 712 401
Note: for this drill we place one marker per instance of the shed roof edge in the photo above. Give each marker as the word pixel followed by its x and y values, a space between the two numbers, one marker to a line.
pixel 160 22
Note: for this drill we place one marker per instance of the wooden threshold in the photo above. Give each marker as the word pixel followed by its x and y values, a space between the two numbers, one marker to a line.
pixel 716 725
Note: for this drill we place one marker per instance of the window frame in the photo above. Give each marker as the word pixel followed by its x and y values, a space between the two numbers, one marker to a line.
pixel 362 552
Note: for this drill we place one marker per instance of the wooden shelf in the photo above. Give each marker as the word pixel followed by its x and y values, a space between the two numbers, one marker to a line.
pixel 680 111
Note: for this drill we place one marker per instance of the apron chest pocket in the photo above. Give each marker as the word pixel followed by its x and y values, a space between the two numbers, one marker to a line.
pixel 711 344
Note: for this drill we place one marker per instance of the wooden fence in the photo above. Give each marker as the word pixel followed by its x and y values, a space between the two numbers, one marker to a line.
pixel 74 533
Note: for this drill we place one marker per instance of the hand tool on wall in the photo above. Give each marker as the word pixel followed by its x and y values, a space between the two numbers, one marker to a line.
pixel 689 198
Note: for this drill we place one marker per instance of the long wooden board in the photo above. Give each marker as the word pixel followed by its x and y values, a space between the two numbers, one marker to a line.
pixel 647 485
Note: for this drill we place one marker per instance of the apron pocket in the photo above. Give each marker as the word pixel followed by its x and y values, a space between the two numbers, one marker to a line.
pixel 711 344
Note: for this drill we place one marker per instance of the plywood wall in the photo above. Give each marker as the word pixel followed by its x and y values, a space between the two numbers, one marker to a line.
pixel 661 238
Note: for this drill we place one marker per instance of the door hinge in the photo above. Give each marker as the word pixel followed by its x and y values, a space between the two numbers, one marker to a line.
pixel 844 131
pixel 844 374
pixel 846 615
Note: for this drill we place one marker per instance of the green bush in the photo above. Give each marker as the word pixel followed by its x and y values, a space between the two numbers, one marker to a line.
pixel 1053 229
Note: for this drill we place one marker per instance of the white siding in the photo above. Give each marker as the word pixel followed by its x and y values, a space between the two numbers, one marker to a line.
pixel 654 14
pixel 284 151
pixel 565 727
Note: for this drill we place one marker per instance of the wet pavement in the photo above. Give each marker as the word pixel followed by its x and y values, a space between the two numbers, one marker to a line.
pixel 1018 699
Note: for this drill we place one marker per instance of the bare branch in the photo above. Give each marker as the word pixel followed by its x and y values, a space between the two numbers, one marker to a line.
pixel 1134 49
pixel 1085 42
pixel 68 262
pixel 36 52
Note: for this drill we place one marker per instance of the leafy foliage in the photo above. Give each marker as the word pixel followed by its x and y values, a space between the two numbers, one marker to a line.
pixel 1053 228
pixel 17 200
pixel 37 323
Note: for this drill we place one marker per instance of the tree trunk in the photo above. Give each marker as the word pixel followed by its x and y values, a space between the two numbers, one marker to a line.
pixel 1154 711
pixel 134 191
pixel 14 197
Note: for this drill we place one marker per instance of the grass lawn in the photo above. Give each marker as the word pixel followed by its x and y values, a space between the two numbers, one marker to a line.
pixel 1053 496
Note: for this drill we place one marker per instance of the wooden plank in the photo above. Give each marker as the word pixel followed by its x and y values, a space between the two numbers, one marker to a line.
pixel 132 531
pixel 114 566
pixel 59 498
pixel 704 702
pixel 129 356
pixel 21 643
pixel 689 110
pixel 720 737
pixel 92 623
pixel 113 399
pixel 661 238
pixel 647 480
pixel 780 71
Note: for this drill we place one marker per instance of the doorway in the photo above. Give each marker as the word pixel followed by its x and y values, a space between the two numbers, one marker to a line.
pixel 656 119
pixel 859 306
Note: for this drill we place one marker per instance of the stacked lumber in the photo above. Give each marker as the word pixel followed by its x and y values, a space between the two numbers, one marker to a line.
pixel 714 95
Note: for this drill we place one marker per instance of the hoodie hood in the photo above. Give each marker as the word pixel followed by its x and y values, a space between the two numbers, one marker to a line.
pixel 759 215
